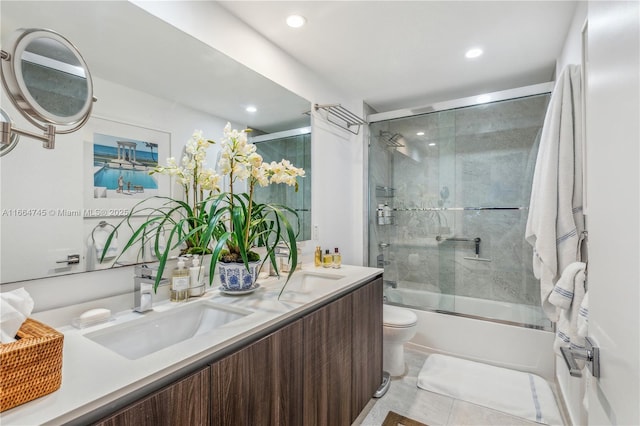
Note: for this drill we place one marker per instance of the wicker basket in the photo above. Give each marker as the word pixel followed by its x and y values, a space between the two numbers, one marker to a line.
pixel 32 366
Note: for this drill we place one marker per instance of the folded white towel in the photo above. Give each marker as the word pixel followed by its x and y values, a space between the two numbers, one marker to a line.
pixel 569 293
pixel 563 291
pixel 555 222
pixel 15 308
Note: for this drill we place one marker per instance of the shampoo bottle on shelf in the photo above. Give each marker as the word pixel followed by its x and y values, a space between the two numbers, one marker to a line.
pixel 327 259
pixel 387 214
pixel 179 291
pixel 380 214
pixel 337 258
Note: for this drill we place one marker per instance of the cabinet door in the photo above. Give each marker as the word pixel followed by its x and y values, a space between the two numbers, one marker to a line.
pixel 260 384
pixel 327 364
pixel 182 403
pixel 367 344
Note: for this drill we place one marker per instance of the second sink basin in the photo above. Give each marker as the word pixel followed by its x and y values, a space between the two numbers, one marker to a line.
pixel 305 285
pixel 158 330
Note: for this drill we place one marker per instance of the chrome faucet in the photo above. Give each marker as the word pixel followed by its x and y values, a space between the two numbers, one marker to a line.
pixel 143 281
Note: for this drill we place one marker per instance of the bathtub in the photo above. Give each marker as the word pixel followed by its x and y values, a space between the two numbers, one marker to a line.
pixel 479 330
pixel 510 313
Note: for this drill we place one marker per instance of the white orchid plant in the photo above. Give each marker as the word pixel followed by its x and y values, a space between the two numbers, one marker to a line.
pixel 226 224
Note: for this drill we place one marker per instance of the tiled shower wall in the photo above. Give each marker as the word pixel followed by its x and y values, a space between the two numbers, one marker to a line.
pixel 475 157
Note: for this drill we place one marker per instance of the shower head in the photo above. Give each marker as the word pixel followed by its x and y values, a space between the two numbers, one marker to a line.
pixel 392 139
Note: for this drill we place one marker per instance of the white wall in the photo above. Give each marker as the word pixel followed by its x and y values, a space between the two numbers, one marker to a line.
pixel 572 48
pixel 613 180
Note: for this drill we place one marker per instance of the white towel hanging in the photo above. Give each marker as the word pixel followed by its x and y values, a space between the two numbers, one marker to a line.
pixel 556 222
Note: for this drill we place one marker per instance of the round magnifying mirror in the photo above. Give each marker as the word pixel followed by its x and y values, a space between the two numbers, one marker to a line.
pixel 9 140
pixel 48 78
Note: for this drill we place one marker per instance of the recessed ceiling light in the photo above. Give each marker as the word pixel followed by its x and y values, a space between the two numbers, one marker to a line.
pixel 420 134
pixel 296 21
pixel 432 144
pixel 473 53
pixel 251 108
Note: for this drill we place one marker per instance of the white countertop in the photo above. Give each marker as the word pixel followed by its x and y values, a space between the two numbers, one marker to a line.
pixel 94 376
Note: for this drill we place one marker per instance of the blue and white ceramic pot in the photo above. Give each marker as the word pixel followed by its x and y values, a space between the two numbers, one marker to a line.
pixel 236 277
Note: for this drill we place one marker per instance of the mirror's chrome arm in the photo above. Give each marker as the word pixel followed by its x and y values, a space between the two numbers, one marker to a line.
pixel 48 139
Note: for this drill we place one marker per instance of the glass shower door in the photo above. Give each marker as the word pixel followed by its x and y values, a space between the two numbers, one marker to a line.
pixel 452 189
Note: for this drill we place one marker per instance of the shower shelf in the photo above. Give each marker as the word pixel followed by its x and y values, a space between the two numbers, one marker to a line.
pixel 345 118
pixel 385 192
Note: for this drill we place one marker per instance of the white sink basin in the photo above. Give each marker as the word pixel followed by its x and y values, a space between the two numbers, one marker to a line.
pixel 158 330
pixel 305 285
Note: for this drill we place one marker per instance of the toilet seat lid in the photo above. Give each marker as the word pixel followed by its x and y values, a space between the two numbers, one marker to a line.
pixel 394 316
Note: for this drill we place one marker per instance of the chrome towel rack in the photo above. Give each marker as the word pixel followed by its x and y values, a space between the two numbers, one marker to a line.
pixel 345 118
pixel 101 225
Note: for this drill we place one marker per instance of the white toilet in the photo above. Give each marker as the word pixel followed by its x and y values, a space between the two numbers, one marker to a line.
pixel 398 327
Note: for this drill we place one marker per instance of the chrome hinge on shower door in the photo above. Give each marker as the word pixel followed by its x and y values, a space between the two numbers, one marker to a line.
pixel 591 354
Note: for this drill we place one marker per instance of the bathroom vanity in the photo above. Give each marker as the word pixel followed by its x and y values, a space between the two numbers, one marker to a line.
pixel 313 356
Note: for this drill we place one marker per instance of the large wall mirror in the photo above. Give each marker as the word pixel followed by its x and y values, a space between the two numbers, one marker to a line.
pixel 155 85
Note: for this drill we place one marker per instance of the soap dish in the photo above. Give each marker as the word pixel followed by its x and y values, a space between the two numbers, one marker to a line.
pixel 92 317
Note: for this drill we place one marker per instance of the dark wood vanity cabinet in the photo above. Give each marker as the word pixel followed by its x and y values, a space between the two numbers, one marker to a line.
pixel 260 384
pixel 366 369
pixel 320 369
pixel 182 403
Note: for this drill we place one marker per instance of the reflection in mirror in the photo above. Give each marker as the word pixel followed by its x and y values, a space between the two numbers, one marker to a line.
pixel 54 77
pixel 295 146
pixel 48 82
pixel 49 210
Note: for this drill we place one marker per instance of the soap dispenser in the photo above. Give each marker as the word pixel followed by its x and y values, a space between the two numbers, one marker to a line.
pixel 196 278
pixel 179 291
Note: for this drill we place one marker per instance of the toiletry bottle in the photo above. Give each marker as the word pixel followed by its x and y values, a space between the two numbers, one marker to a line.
pixel 196 278
pixel 318 256
pixel 179 283
pixel 327 259
pixel 380 213
pixel 387 214
pixel 299 263
pixel 337 258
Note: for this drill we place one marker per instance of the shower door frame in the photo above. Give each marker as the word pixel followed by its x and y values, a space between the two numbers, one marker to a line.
pixel 470 101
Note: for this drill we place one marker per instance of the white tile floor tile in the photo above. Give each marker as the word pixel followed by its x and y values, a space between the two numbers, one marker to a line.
pixel 405 398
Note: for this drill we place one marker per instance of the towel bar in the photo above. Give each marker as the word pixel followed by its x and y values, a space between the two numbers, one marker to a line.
pixel 591 355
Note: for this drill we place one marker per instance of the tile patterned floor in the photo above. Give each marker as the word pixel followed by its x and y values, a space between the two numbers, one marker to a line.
pixel 430 408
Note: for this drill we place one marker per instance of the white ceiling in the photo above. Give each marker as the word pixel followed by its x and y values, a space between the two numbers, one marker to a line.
pixel 392 54
pixel 399 54
pixel 124 44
